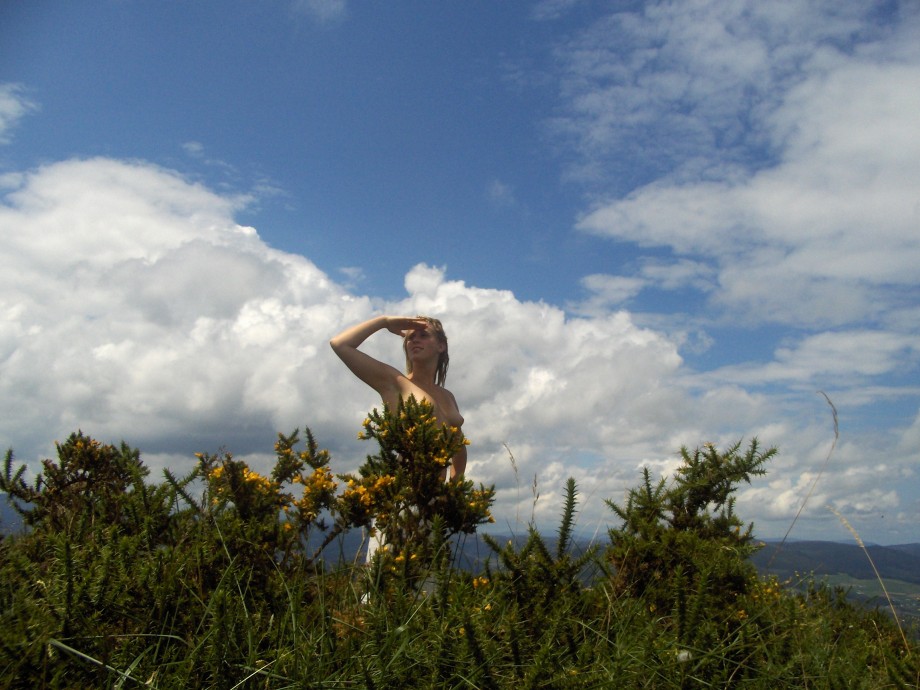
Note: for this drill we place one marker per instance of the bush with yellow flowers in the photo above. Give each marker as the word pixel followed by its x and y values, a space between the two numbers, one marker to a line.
pixel 402 493
pixel 215 580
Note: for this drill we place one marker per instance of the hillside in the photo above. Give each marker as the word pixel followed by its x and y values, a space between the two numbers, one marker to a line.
pixel 820 558
pixel 900 562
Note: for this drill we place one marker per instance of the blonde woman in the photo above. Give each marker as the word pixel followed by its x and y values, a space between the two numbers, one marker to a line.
pixel 425 347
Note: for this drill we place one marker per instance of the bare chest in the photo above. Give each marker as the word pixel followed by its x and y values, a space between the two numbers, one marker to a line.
pixel 443 404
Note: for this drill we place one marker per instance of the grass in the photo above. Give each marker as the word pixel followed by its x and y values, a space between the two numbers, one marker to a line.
pixel 903 596
pixel 526 623
pixel 132 584
pixel 878 577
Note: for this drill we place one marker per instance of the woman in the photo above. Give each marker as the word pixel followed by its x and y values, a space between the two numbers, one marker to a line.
pixel 425 346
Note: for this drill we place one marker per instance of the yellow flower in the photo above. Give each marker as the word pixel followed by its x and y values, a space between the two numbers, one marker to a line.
pixel 383 482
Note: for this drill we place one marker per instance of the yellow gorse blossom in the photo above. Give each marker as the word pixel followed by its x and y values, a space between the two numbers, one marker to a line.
pixel 317 492
pixel 262 483
pixel 366 493
pixel 383 482
pixel 222 484
pixel 768 591
pixel 320 480
pixel 357 493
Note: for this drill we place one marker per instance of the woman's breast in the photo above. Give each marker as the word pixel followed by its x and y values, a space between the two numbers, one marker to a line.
pixel 444 411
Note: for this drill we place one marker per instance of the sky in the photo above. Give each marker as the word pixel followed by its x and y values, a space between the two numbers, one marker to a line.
pixel 644 225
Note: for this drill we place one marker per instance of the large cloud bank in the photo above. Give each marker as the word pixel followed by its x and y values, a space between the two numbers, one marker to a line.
pixel 766 154
pixel 133 306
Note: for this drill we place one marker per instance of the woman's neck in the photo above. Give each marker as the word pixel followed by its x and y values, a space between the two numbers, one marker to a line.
pixel 423 375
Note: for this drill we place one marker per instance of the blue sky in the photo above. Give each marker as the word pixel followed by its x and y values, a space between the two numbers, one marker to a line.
pixel 645 225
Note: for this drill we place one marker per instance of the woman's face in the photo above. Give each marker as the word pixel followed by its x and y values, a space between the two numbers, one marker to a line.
pixel 423 343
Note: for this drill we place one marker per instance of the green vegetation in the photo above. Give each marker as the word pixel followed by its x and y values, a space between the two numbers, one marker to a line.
pixel 209 581
pixel 905 597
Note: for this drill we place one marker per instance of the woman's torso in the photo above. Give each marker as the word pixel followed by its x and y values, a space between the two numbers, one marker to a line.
pixel 443 403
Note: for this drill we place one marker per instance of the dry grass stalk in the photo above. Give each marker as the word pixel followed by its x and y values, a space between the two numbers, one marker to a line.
pixel 846 523
pixel 814 484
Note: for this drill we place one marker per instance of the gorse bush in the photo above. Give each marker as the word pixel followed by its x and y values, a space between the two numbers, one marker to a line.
pixel 90 484
pixel 400 492
pixel 681 547
pixel 220 579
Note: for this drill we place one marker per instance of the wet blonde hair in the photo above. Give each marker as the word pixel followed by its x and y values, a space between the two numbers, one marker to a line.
pixel 440 374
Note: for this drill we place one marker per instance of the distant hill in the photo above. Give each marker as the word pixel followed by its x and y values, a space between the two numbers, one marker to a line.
pixel 913 549
pixel 819 558
pixel 899 562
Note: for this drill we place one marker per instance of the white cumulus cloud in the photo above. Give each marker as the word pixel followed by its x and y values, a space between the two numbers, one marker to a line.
pixel 133 306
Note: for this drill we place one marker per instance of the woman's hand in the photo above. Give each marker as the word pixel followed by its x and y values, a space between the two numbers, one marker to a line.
pixel 403 325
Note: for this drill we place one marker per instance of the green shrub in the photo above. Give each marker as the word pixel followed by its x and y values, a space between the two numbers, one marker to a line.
pixel 680 543
pixel 402 493
pixel 207 581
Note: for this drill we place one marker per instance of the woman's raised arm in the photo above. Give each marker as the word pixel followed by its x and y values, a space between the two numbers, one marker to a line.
pixel 376 374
